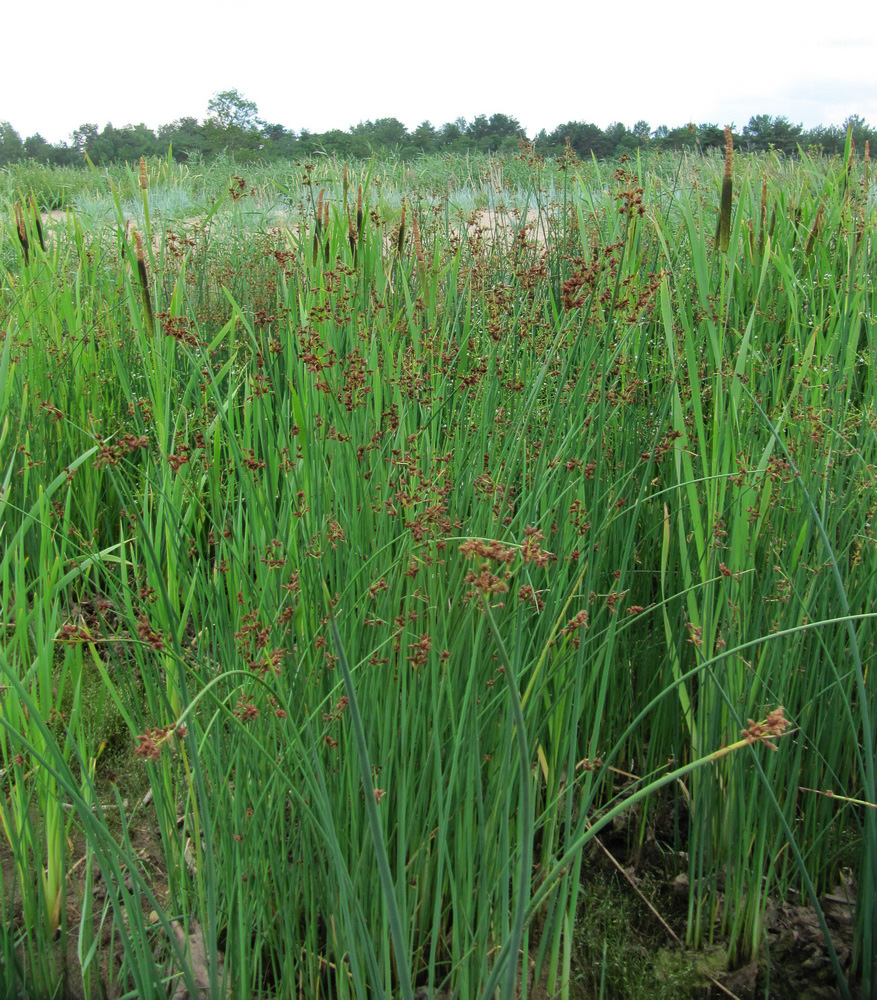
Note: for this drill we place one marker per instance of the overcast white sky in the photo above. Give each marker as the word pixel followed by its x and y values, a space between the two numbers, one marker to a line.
pixel 314 66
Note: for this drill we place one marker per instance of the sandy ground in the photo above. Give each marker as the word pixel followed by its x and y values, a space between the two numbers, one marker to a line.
pixel 506 222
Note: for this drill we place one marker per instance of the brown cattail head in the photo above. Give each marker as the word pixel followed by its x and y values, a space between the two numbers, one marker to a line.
pixel 400 243
pixel 143 275
pixel 22 232
pixel 143 183
pixel 867 164
pixel 346 184
pixel 762 232
pixel 352 236
pixel 729 152
pixel 723 228
pixel 37 224
pixel 318 227
pixel 359 209
pixel 814 232
pixel 415 233
pixel 325 214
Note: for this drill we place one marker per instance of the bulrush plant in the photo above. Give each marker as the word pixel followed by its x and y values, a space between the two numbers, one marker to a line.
pixel 346 605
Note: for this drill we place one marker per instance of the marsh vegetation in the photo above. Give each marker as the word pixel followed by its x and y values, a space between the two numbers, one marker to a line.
pixel 374 538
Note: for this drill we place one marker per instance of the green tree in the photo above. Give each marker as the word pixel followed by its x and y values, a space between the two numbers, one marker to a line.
pixel 339 142
pixel 764 132
pixel 496 133
pixel 711 136
pixel 85 137
pixel 619 140
pixel 127 144
pixel 230 109
pixel 862 132
pixel 680 137
pixel 233 123
pixel 11 146
pixel 585 139
pixel 425 137
pixel 452 133
pixel 185 136
pixel 641 132
pixel 37 148
pixel 382 135
pixel 278 141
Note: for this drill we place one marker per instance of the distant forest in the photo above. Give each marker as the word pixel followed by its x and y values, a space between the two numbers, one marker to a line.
pixel 233 126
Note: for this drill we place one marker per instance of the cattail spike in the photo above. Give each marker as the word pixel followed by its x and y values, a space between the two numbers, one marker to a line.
pixel 415 233
pixel 143 181
pixel 352 236
pixel 22 232
pixel 723 230
pixel 763 226
pixel 400 242
pixel 814 232
pixel 37 224
pixel 318 226
pixel 143 275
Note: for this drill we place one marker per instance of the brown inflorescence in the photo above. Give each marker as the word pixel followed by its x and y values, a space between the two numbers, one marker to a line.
pixel 775 724
pixel 151 743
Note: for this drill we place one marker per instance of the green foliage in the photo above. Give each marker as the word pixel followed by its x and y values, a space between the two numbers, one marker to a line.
pixel 395 561
pixel 11 146
pixel 233 127
pixel 764 133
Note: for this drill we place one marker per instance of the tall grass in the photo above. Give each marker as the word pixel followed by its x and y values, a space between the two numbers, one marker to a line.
pixel 353 580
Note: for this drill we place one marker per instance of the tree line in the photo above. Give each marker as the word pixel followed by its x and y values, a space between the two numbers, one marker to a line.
pixel 233 126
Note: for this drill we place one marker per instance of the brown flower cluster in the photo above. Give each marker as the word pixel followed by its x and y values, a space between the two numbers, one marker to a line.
pixel 579 621
pixel 527 595
pixel 532 551
pixel 238 188
pixel 495 551
pixel 148 635
pixel 245 710
pixel 420 651
pixel 662 448
pixel 153 741
pixel 485 582
pixel 179 328
pixel 630 194
pixel 73 634
pixel 774 725
pixel 112 454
